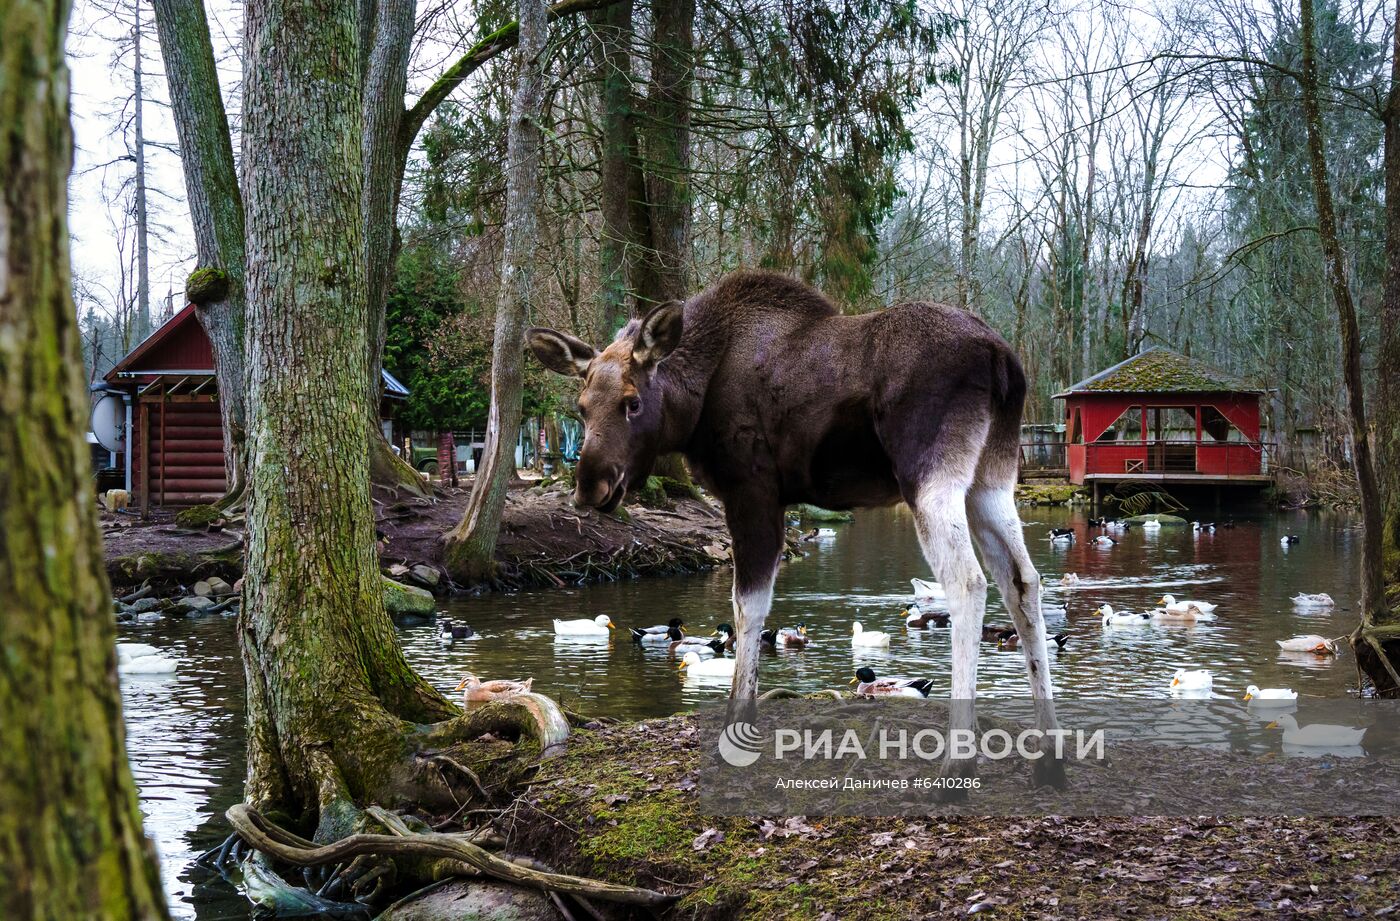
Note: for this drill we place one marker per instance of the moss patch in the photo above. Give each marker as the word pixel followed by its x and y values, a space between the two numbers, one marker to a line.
pixel 1160 370
pixel 198 516
pixel 821 515
pixel 621 804
pixel 1049 493
pixel 207 285
pixel 1166 521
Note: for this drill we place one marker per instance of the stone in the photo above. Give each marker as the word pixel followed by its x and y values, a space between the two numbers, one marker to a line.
pixel 407 599
pixel 197 603
pixel 219 587
pixel 203 589
pixel 425 575
pixel 142 605
pixel 471 900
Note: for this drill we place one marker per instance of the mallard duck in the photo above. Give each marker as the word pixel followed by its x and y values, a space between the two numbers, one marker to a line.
pixel 1098 522
pixel 1203 527
pixel 693 664
pixel 598 626
pixel 997 633
pixel 1103 540
pixel 1180 615
pixel 862 637
pixel 1070 578
pixel 1318 600
pixel 143 659
pixel 1281 695
pixel 924 590
pixel 869 685
pixel 657 634
pixel 1170 604
pixel 1013 641
pixel 1112 618
pixel 448 631
pixel 1316 735
pixel 916 619
pixel 1061 535
pixel 1289 540
pixel 792 637
pixel 1309 642
pixel 1197 679
pixel 476 690
pixel 726 634
pixel 680 644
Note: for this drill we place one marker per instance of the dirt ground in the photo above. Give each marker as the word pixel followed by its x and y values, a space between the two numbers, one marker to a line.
pixel 544 540
pixel 621 804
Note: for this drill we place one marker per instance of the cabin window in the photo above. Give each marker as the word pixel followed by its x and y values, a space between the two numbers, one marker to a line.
pixel 1216 427
pixel 1127 427
pixel 1076 428
pixel 1171 423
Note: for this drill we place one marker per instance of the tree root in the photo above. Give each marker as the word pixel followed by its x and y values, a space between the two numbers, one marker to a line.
pixel 271 839
pixel 789 694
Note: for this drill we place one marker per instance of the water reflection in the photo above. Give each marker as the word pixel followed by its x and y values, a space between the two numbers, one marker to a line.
pixel 185 732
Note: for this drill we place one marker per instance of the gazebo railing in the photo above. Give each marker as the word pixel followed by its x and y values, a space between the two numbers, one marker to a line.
pixel 1166 456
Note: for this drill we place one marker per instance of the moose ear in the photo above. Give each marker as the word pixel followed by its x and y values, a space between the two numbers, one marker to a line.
pixel 560 352
pixel 659 334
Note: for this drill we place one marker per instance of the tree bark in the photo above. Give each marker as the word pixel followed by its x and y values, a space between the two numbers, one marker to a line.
pixel 470 553
pixel 667 148
pixel 1388 385
pixel 138 126
pixel 216 207
pixel 313 627
pixel 71 844
pixel 1369 649
pixel 618 168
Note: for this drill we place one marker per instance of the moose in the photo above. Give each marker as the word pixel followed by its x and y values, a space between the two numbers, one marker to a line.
pixel 774 397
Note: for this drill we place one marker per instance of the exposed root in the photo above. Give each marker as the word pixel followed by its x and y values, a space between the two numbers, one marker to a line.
pixel 275 841
pixel 789 694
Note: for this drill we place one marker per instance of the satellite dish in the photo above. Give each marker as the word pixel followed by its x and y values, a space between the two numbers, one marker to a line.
pixel 109 422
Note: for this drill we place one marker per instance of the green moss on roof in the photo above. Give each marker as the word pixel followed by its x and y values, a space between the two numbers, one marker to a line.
pixel 1160 370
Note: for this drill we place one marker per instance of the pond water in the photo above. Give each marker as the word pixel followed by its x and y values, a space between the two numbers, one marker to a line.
pixel 185 731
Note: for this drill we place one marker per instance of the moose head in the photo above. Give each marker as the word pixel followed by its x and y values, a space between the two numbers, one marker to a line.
pixel 621 402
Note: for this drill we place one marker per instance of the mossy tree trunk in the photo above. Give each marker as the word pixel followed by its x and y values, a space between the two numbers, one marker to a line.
pixel 71 845
pixel 1367 644
pixel 470 552
pixel 667 147
pixel 206 153
pixel 328 687
pixel 618 168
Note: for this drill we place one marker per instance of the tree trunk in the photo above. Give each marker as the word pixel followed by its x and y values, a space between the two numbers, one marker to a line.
pixel 71 844
pixel 313 627
pixel 1368 647
pixel 618 167
pixel 1388 387
pixel 138 126
pixel 216 208
pixel 470 553
pixel 668 148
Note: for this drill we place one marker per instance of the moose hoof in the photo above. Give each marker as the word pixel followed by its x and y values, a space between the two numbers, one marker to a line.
pixel 1049 772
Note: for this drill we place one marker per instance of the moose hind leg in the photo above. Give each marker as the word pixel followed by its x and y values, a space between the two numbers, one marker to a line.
pixel 940 517
pixel 997 528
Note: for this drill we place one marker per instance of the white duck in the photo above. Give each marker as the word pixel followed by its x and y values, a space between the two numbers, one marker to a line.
pixel 1172 606
pixel 1152 524
pixel 1112 618
pixel 924 590
pixel 1316 600
pixel 1196 679
pixel 1316 735
pixel 1103 540
pixel 1278 695
pixel 143 659
pixel 693 665
pixel 862 637
pixel 1070 578
pixel 1309 642
pixel 598 626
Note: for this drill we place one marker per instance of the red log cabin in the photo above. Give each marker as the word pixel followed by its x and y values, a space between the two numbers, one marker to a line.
pixel 172 415
pixel 1163 417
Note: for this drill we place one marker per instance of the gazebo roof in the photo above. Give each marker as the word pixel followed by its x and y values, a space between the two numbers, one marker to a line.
pixel 1160 370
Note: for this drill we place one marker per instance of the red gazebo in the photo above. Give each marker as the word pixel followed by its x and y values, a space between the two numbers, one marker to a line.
pixel 1161 416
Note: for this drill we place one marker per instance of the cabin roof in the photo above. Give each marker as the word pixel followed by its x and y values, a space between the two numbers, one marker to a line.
pixel 1160 370
pixel 180 346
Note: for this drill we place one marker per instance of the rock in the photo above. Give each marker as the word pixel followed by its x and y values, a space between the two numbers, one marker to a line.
pixel 148 617
pixel 425 575
pixel 197 603
pixel 469 900
pixel 203 589
pixel 1166 521
pixel 219 587
pixel 813 513
pixel 397 569
pixel 142 605
pixel 238 586
pixel 198 517
pixel 407 599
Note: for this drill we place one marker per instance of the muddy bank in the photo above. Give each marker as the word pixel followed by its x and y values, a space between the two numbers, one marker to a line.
pixel 544 541
pixel 621 805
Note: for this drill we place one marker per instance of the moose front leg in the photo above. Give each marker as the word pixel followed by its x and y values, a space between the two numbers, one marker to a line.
pixel 756 528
